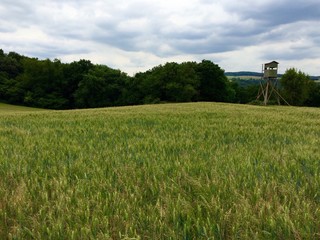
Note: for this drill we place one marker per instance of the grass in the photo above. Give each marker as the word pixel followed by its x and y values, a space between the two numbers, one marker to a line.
pixel 174 171
pixel 5 108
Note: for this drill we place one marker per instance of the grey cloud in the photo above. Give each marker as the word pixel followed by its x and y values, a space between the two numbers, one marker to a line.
pixel 212 45
pixel 155 28
pixel 282 12
pixel 293 53
pixel 275 20
pixel 20 13
pixel 44 51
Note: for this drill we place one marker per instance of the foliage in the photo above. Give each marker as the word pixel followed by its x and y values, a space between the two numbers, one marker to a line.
pixel 314 97
pixel 81 84
pixel 100 87
pixel 173 171
pixel 244 94
pixel 172 82
pixel 51 84
pixel 213 82
pixel 296 86
pixel 73 75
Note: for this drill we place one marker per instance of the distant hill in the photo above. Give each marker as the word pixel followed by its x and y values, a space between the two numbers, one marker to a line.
pixel 244 78
pixel 242 73
pixel 251 75
pixel 315 78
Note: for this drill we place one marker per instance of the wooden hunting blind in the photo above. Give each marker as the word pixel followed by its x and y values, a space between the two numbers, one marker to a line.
pixel 269 83
pixel 271 70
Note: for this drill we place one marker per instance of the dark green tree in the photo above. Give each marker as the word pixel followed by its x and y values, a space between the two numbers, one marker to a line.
pixel 183 82
pixel 73 75
pixel 296 86
pixel 101 87
pixel 244 94
pixel 131 93
pixel 43 83
pixel 171 82
pixel 213 82
pixel 314 97
pixel 11 65
pixel 152 85
pixel 10 68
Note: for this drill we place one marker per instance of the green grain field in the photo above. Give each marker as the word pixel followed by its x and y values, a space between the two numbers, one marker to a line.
pixel 6 108
pixel 172 171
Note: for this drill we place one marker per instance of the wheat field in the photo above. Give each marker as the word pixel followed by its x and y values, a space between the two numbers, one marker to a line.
pixel 168 171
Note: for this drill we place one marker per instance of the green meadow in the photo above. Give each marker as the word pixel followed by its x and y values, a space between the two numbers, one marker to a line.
pixel 6 108
pixel 171 171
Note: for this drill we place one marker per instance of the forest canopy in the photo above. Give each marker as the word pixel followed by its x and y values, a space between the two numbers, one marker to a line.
pixel 82 84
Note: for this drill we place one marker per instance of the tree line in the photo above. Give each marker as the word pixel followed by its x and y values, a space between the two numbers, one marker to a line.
pixel 82 84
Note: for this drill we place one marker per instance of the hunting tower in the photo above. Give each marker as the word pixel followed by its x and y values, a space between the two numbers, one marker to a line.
pixel 269 83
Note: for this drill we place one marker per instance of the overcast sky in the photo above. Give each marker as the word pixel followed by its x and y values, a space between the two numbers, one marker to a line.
pixel 136 35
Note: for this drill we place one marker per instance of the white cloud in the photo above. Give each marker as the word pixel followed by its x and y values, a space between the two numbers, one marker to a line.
pixel 136 35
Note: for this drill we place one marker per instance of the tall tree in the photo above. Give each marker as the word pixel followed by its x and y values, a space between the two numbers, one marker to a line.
pixel 184 83
pixel 101 87
pixel 314 97
pixel 73 75
pixel 213 82
pixel 43 83
pixel 296 86
pixel 10 64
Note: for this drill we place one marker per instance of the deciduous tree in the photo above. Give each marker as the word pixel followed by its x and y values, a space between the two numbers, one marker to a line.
pixel 296 86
